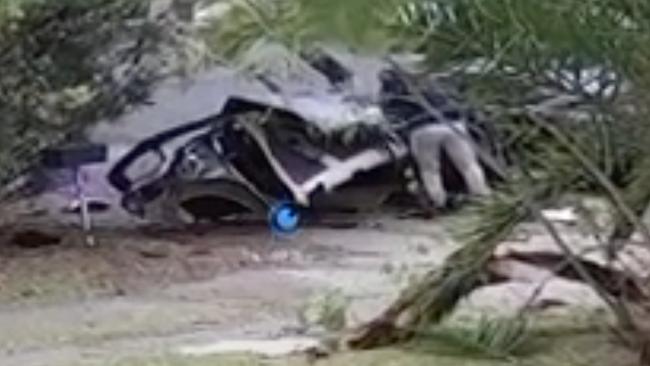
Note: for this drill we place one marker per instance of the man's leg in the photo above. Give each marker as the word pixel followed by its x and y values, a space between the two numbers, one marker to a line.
pixel 460 150
pixel 426 144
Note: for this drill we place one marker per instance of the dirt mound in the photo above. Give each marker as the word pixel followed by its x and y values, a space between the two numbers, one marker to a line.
pixel 54 263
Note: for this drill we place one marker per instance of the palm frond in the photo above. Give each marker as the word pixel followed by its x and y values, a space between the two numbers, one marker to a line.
pixel 499 337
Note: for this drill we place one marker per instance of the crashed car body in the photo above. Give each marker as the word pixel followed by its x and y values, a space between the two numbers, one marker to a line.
pixel 259 150
pixel 251 155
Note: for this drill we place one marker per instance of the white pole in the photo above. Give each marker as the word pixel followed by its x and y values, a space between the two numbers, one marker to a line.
pixel 86 220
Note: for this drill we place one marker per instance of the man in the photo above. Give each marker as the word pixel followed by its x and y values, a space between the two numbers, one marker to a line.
pixel 432 122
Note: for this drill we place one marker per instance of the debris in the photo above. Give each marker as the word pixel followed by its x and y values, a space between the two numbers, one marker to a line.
pixel 95 205
pixel 75 158
pixel 617 283
pixel 154 252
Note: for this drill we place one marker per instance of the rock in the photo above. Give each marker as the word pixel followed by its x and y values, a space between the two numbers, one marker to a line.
pixel 155 251
pixel 253 257
pixel 286 256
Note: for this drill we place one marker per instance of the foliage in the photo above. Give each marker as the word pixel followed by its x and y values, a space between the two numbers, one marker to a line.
pixel 299 24
pixel 65 64
pixel 490 337
pixel 327 310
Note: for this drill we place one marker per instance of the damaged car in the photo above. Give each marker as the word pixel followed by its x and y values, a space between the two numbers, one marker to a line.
pixel 282 153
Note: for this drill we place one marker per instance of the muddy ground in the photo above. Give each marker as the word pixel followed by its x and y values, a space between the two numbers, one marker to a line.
pixel 145 291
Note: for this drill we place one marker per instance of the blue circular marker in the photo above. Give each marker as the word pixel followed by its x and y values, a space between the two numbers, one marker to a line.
pixel 284 218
